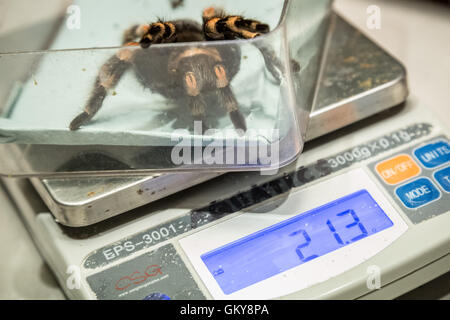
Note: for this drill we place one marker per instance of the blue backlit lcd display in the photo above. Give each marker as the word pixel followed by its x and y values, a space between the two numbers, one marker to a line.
pixel 295 241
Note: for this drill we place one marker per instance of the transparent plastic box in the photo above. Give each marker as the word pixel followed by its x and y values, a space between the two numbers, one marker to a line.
pixel 172 107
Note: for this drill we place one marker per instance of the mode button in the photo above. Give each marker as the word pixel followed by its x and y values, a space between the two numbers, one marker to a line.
pixel 418 193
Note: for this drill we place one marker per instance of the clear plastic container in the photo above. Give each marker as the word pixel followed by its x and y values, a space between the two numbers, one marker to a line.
pixel 207 105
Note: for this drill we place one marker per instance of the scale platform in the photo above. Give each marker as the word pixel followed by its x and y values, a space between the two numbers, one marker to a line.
pixel 363 213
pixel 353 88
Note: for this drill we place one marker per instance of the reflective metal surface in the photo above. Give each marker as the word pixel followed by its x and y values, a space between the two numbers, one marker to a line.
pixel 359 80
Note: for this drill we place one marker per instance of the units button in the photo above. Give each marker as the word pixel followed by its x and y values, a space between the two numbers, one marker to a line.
pixel 398 169
pixel 443 178
pixel 434 154
pixel 418 193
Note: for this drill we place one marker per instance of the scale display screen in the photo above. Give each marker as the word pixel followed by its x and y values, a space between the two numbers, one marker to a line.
pixel 295 241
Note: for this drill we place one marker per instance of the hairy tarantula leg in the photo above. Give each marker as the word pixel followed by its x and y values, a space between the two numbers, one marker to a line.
pixel 274 64
pixel 253 25
pixel 158 32
pixel 228 99
pixel 108 77
pixel 135 33
pixel 197 107
pixel 217 25
pixel 228 28
pixel 196 103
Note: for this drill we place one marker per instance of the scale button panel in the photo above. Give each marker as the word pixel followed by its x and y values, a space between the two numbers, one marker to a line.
pixel 433 154
pixel 418 193
pixel 398 169
pixel 443 178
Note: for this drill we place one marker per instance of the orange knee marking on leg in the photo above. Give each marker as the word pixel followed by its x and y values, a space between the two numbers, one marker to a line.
pixel 221 74
pixel 191 84
pixel 172 28
pixel 249 35
pixel 149 37
pixel 211 25
pixel 157 32
pixel 231 24
pixel 208 13
pixel 125 55
pixel 107 82
pixel 106 79
pixel 142 30
pixel 254 25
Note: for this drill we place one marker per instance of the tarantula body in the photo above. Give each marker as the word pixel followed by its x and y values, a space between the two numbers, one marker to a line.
pixel 192 76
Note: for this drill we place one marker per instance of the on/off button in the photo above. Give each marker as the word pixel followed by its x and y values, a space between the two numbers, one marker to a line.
pixel 398 169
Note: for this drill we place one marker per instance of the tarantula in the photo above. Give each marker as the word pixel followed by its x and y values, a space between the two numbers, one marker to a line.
pixel 186 73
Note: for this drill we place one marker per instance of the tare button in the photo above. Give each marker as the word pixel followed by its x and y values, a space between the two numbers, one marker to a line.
pixel 398 169
pixel 418 193
pixel 443 178
pixel 434 154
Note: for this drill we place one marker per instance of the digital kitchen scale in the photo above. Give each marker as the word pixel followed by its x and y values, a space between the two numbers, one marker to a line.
pixel 363 213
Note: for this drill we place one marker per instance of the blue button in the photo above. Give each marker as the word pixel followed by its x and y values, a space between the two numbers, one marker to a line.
pixel 434 154
pixel 418 193
pixel 443 178
pixel 157 296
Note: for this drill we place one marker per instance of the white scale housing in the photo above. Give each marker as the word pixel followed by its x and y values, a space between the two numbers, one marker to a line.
pixel 413 251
